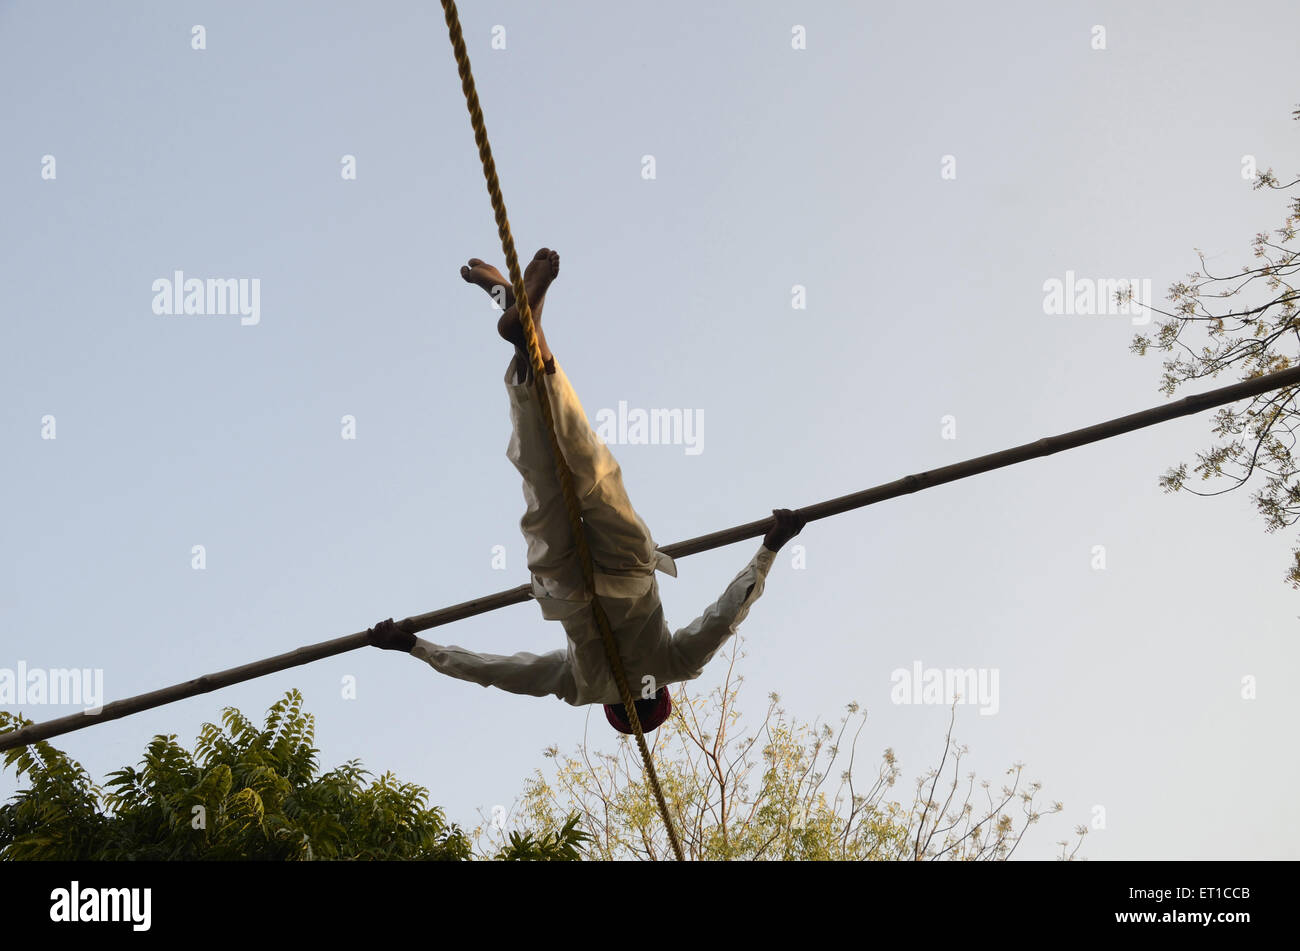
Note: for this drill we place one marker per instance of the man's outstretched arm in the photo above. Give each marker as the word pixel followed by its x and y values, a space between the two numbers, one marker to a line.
pixel 536 675
pixel 694 645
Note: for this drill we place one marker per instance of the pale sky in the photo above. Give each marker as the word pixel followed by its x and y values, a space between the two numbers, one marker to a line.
pixel 1119 688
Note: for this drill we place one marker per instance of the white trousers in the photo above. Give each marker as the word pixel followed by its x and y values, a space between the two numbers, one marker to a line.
pixel 622 549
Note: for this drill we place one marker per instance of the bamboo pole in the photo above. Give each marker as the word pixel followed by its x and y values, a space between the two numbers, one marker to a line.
pixel 913 483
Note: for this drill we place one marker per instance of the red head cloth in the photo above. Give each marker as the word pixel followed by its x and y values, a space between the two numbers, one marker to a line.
pixel 651 712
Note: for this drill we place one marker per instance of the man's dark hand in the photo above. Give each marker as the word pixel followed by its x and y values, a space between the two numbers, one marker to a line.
pixel 788 525
pixel 391 637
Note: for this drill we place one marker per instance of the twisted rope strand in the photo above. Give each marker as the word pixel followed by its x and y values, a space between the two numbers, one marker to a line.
pixel 571 503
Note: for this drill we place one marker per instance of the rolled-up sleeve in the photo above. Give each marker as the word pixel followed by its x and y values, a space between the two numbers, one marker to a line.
pixel 694 645
pixel 536 675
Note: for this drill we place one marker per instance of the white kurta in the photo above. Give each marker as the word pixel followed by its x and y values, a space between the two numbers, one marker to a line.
pixel 625 559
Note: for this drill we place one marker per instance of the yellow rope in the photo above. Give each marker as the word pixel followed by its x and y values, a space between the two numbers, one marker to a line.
pixel 539 372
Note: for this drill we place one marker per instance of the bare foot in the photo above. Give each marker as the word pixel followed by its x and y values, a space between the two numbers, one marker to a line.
pixel 486 276
pixel 541 271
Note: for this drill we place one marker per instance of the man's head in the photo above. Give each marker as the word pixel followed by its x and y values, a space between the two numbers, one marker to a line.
pixel 650 712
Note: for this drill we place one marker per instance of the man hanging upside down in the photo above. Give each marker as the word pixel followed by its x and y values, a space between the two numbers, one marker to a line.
pixel 623 553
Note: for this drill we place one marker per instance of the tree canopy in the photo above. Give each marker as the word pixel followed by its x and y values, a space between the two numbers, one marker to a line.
pixel 1244 320
pixel 778 789
pixel 245 792
pixel 781 789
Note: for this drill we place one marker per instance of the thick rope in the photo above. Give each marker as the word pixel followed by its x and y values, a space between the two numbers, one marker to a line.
pixel 539 372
